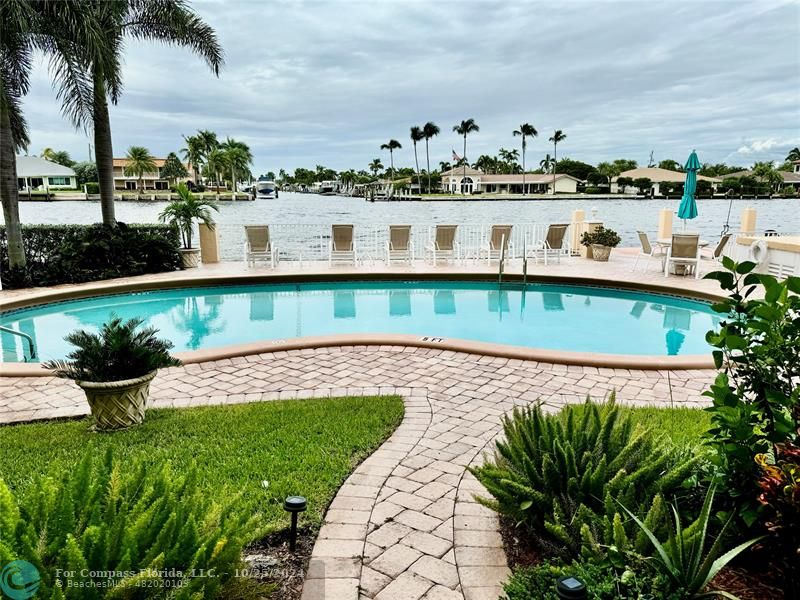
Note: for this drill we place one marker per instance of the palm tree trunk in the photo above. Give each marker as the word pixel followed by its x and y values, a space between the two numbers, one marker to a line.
pixel 464 158
pixel 523 165
pixel 416 160
pixel 391 161
pixel 103 150
pixel 9 192
pixel 555 162
pixel 428 163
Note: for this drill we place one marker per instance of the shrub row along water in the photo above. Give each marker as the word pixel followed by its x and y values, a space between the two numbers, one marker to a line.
pixel 79 253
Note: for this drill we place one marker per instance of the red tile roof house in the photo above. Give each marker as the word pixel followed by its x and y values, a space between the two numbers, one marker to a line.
pixel 150 181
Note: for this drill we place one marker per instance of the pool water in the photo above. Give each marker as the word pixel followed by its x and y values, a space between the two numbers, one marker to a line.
pixel 558 317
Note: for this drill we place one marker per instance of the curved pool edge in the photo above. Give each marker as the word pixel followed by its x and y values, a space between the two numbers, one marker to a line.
pixel 544 355
pixel 110 287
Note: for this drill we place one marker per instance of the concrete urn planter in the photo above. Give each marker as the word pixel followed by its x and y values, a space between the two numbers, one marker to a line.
pixel 190 257
pixel 118 405
pixel 601 253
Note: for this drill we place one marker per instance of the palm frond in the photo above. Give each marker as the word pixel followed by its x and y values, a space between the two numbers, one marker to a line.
pixel 174 23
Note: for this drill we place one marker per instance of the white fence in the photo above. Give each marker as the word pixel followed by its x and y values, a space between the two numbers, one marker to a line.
pixel 296 242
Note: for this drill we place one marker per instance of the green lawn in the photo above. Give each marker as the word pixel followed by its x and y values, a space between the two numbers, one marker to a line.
pixel 684 426
pixel 305 447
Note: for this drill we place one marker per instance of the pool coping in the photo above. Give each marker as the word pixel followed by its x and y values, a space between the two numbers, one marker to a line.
pixel 591 359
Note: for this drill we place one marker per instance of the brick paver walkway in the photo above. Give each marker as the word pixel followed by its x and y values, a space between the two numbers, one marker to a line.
pixel 405 524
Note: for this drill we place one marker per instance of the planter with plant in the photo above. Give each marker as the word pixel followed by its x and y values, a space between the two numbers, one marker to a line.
pixel 114 368
pixel 601 241
pixel 182 213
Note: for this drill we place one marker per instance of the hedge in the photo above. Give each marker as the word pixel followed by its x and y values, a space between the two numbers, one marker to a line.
pixel 79 253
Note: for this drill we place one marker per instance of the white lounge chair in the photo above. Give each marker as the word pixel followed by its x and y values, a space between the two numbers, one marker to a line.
pixel 342 245
pixel 498 244
pixel 649 250
pixel 552 244
pixel 399 245
pixel 444 245
pixel 685 250
pixel 258 245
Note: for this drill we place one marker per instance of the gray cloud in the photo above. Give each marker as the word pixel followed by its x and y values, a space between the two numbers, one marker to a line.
pixel 327 82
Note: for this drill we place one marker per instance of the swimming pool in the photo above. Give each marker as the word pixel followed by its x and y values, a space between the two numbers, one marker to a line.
pixel 557 317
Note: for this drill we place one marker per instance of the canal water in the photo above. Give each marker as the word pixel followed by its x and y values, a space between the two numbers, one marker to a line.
pixel 624 215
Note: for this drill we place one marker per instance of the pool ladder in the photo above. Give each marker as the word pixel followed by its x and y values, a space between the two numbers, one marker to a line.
pixel 501 266
pixel 25 336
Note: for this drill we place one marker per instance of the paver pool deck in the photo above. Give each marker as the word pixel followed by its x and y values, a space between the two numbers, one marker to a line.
pixel 405 525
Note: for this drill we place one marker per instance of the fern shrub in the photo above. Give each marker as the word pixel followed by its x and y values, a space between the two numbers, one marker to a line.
pixel 104 533
pixel 564 477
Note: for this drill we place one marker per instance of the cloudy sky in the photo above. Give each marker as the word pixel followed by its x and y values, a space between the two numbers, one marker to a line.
pixel 309 83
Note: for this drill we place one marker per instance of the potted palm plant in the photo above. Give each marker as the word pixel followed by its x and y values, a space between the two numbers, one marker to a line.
pixel 182 213
pixel 115 369
pixel 601 240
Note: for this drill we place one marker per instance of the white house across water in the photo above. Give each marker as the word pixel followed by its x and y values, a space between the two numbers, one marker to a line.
pixel 37 174
pixel 474 181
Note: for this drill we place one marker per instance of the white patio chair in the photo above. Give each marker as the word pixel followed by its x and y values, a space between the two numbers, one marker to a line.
pixel 552 245
pixel 444 245
pixel 258 245
pixel 685 250
pixel 342 246
pixel 719 249
pixel 399 247
pixel 499 243
pixel 649 250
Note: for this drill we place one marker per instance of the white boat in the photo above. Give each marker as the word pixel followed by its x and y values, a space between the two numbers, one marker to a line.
pixel 327 188
pixel 266 190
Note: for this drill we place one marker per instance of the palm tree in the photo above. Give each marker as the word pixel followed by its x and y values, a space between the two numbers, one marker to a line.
pixel 794 154
pixel 375 166
pixel 193 154
pixel 525 130
pixel 238 158
pixel 168 21
pixel 208 141
pixel 183 212
pixel 546 163
pixel 216 163
pixel 17 23
pixel 558 136
pixel 430 129
pixel 444 166
pixel 25 27
pixel 139 162
pixel 391 146
pixel 609 171
pixel 465 128
pixel 417 135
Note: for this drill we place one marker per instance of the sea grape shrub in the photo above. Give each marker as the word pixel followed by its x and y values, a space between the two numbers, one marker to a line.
pixel 79 253
pixel 756 397
pixel 563 477
pixel 149 526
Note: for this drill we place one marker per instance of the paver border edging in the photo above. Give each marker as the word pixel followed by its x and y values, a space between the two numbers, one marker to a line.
pixel 542 355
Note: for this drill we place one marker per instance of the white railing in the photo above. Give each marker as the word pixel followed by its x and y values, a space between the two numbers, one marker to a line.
pixel 311 242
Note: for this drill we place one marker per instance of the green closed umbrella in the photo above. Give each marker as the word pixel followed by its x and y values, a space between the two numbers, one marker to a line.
pixel 688 207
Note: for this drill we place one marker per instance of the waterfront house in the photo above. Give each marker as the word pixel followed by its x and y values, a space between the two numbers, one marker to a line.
pixel 791 179
pixel 475 181
pixel 37 174
pixel 656 176
pixel 150 181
